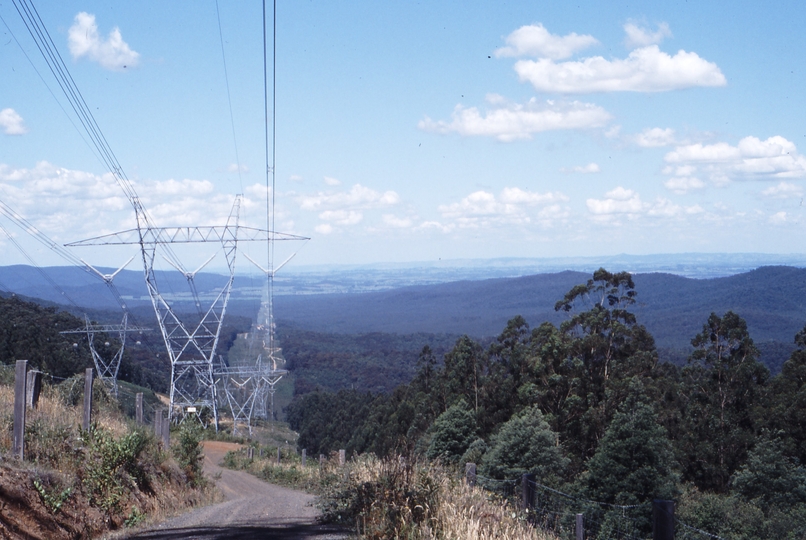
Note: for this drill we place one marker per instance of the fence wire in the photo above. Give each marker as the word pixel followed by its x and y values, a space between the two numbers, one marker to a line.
pixel 555 511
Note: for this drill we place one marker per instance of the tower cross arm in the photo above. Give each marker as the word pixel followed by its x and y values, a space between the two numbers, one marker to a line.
pixel 186 235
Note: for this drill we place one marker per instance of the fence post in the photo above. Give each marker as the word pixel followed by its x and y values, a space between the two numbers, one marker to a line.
pixel 527 491
pixel 580 527
pixel 34 387
pixel 342 457
pixel 304 456
pixel 138 407
pixel 158 423
pixel 20 388
pixel 662 520
pixel 470 474
pixel 321 460
pixel 166 433
pixel 87 399
pixel 278 455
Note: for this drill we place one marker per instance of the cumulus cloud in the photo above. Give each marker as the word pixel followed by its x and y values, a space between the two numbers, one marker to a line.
pixel 590 168
pixel 11 122
pixel 235 168
pixel 626 203
pixel 535 40
pixel 393 221
pixel 773 158
pixel 513 121
pixel 656 137
pixel 513 206
pixel 332 181
pixel 784 190
pixel 68 205
pixel 359 197
pixel 647 69
pixel 638 36
pixel 683 184
pixel 342 217
pixel 112 53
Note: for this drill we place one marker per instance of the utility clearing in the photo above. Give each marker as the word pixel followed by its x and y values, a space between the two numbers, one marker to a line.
pixel 251 509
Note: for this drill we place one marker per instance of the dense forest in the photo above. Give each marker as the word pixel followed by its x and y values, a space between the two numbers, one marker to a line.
pixel 588 407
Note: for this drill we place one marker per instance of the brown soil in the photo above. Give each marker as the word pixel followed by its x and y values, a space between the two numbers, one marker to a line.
pixel 251 509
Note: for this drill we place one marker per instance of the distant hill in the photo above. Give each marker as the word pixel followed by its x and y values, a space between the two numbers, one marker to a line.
pixel 673 308
pixel 772 299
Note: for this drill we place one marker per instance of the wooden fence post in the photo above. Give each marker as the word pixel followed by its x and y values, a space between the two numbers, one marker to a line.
pixel 138 407
pixel 166 434
pixel 33 388
pixel 580 527
pixel 662 520
pixel 304 456
pixel 527 491
pixel 278 455
pixel 470 474
pixel 321 460
pixel 20 387
pixel 342 457
pixel 158 423
pixel 87 399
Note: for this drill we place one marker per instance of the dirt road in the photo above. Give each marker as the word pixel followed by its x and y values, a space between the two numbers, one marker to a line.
pixel 251 509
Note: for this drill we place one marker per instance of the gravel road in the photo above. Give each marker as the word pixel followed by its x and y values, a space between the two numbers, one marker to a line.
pixel 251 509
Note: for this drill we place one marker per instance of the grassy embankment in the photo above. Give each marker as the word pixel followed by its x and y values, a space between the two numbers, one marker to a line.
pixel 77 484
pixel 392 498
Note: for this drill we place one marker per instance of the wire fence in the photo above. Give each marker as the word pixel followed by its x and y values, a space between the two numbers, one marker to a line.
pixel 563 514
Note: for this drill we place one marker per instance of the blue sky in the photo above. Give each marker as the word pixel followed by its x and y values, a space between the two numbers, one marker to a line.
pixel 413 132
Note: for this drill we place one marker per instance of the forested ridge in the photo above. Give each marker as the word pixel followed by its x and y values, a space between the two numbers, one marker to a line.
pixel 588 406
pixel 772 300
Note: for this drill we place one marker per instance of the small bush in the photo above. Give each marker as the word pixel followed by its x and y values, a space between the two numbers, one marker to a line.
pixel 188 451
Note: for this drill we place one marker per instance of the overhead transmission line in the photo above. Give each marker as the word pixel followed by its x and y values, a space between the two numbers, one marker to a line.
pixel 53 59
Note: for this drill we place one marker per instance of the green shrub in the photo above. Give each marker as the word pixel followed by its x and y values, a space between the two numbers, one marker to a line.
pixel 188 452
pixel 452 433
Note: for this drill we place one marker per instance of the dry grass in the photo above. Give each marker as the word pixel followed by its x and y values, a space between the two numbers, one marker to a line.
pixel 116 475
pixel 393 498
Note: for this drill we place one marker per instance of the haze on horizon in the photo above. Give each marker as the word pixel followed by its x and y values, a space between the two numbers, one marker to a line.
pixel 421 132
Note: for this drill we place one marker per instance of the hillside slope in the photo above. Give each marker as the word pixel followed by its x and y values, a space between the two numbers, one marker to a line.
pixel 771 299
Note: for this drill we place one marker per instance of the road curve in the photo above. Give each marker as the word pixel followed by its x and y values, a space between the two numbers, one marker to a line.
pixel 251 509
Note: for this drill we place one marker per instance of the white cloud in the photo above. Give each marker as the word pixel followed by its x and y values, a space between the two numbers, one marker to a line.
pixel 617 201
pixel 184 187
pixel 332 181
pixel 112 53
pixel 342 217
pixel 397 222
pixel 752 158
pixel 234 168
pixel 645 70
pixel 590 168
pixel 359 197
pixel 535 40
pixel 11 122
pixel 324 228
pixel 638 36
pixel 296 178
pixel 513 121
pixel 621 202
pixel 69 205
pixel 779 218
pixel 784 190
pixel 656 137
pixel 683 184
pixel 513 206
